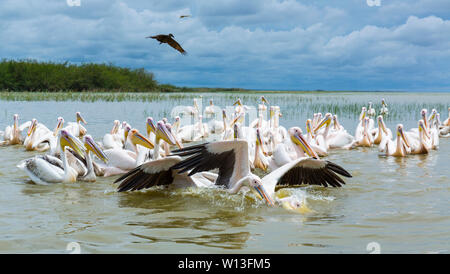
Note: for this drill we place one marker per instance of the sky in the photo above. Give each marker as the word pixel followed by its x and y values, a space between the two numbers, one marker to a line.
pixel 253 44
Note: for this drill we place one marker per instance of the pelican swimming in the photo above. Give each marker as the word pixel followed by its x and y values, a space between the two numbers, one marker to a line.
pixel 331 138
pixel 231 159
pixel 36 132
pixel 421 144
pixel 13 134
pixel 371 111
pixel 91 148
pixel 399 147
pixel 113 139
pixel 75 128
pixel 384 110
pixel 210 110
pixel 45 169
pixel 381 132
pixel 122 160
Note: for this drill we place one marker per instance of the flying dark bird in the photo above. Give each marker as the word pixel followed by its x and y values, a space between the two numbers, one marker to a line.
pixel 163 38
pixel 183 16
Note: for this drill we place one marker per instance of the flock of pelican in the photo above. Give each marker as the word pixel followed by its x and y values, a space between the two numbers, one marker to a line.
pixel 159 157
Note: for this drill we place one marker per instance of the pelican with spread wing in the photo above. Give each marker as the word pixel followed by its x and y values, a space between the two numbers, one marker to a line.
pixel 231 160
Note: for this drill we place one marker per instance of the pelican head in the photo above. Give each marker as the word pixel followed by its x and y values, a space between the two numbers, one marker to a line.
pixel 423 113
pixel 325 121
pixel 93 147
pixel 80 118
pixel 169 128
pixel 401 134
pixel 126 131
pixel 139 139
pixel 163 133
pixel 383 102
pixel 432 115
pixel 238 102
pixel 176 123
pixel 255 185
pixel 16 121
pixel 264 100
pixel 297 138
pixel 32 127
pixel 363 113
pixel 115 128
pixel 150 126
pixel 423 129
pixel 381 124
pixel 68 140
pixel 336 122
pixel 59 126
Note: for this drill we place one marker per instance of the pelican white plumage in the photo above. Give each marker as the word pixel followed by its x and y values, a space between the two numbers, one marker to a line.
pixel 381 132
pixel 371 111
pixel 13 134
pixel 331 138
pixel 75 128
pixel 91 148
pixel 421 143
pixel 113 139
pixel 122 160
pixel 45 169
pixel 399 147
pixel 210 110
pixel 384 110
pixel 36 131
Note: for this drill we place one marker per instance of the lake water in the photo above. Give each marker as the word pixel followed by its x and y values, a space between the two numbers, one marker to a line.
pixel 402 204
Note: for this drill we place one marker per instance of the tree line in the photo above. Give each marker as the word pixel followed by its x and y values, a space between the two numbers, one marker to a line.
pixel 31 75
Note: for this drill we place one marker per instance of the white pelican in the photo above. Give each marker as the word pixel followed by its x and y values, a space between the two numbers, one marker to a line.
pixel 36 131
pixel 231 159
pixel 421 144
pixel 371 111
pixel 365 139
pixel 75 128
pixel 192 110
pixel 13 134
pixel 210 110
pixel 91 147
pixel 444 131
pixel 122 160
pixel 447 121
pixel 381 132
pixel 49 169
pixel 398 148
pixel 384 110
pixel 113 139
pixel 331 138
pixel 262 106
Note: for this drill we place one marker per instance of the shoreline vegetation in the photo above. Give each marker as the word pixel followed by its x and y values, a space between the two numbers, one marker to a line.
pixel 30 80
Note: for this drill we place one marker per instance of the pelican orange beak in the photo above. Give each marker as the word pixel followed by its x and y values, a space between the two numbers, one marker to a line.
pixel 59 125
pixel 32 127
pixel 80 118
pixel 150 126
pixel 402 134
pixel 300 141
pixel 139 139
pixel 67 139
pixel 92 146
pixel 163 133
pixel 325 121
pixel 238 102
pixel 261 192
